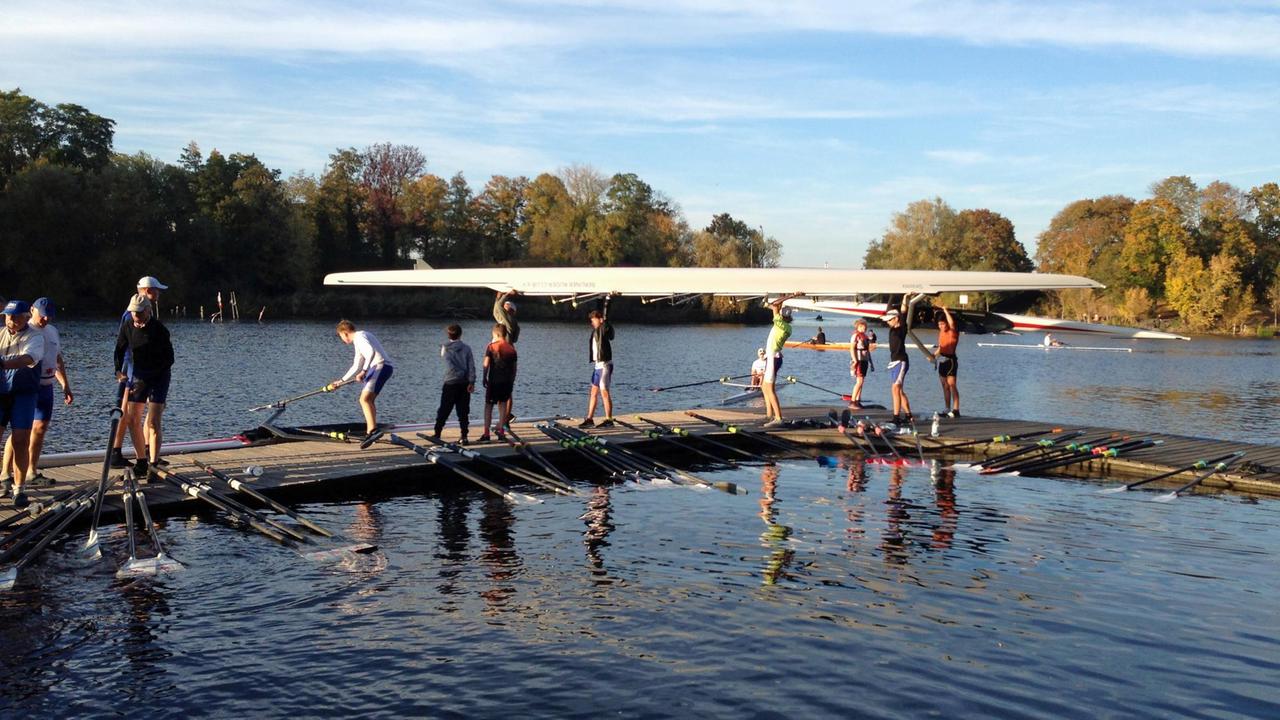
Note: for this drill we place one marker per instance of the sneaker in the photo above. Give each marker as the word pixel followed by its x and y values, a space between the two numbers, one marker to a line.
pixel 6 486
pixel 151 476
pixel 20 498
pixel 40 480
pixel 436 436
pixel 161 462
pixel 464 441
pixel 856 405
pixel 607 422
pixel 483 438
pixel 502 434
pixel 117 459
pixel 909 419
pixel 140 467
pixel 776 422
pixel 953 413
pixel 587 423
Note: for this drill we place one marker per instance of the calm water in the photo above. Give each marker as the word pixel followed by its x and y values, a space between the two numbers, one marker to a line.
pixel 846 591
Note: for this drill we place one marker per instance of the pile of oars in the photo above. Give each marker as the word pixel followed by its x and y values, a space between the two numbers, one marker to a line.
pixel 1059 455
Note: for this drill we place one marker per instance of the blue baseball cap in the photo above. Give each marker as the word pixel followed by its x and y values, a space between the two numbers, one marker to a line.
pixel 46 307
pixel 17 307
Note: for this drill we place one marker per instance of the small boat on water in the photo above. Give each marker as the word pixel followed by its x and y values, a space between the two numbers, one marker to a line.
pixel 747 394
pixel 806 345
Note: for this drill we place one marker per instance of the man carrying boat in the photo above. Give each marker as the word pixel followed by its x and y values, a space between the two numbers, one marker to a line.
pixel 948 363
pixel 371 367
pixel 778 335
pixel 499 378
pixel 147 341
pixel 899 364
pixel 861 344
pixel 150 287
pixel 459 382
pixel 51 367
pixel 21 351
pixel 504 313
pixel 600 355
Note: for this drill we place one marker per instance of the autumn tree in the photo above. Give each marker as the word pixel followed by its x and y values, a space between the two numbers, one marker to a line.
pixel 386 169
pixel 1155 231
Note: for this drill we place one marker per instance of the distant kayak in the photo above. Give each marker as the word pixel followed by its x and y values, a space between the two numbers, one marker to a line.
pixel 1039 346
pixel 806 345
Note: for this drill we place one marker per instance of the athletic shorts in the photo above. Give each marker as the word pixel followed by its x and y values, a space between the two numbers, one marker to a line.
pixel 498 392
pixel 376 377
pixel 898 371
pixel 859 368
pixel 154 389
pixel 948 365
pixel 17 410
pixel 44 403
pixel 602 377
pixel 772 365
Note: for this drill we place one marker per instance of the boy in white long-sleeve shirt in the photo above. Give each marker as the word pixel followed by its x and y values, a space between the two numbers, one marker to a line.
pixel 371 366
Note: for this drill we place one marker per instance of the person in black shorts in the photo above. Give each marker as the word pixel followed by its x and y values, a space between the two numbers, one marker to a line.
pixel 499 379
pixel 147 340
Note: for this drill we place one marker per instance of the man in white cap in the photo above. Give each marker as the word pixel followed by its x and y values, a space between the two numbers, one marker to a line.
pixel 150 287
pixel 146 339
pixel 21 350
pixel 899 364
pixel 51 367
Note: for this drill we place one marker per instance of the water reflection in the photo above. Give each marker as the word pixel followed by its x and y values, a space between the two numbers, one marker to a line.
pixel 776 536
pixel 944 499
pixel 148 608
pixel 455 538
pixel 499 557
pixel 598 518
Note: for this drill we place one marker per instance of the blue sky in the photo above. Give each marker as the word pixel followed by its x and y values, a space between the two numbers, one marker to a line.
pixel 814 120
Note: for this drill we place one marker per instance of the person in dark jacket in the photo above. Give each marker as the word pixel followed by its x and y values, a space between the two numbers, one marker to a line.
pixel 459 382
pixel 504 313
pixel 600 355
pixel 146 340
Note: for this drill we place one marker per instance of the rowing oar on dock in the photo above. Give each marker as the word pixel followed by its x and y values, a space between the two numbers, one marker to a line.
pixel 161 562
pixel 614 467
pixel 534 456
pixel 711 442
pixel 436 457
pixel 1087 453
pixel 996 440
pixel 27 542
pixel 542 481
pixel 235 510
pixel 700 382
pixel 656 434
pixel 1043 445
pixel 762 438
pixel 1217 468
pixel 1051 449
pixel 279 404
pixel 1197 465
pixel 671 471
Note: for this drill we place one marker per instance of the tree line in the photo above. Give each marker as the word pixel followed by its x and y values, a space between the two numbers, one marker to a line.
pixel 1200 259
pixel 89 221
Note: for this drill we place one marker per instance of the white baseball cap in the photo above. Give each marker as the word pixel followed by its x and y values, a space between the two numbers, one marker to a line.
pixel 151 282
pixel 891 314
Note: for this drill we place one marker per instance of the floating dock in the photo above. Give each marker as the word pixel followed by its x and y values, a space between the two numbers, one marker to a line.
pixel 321 468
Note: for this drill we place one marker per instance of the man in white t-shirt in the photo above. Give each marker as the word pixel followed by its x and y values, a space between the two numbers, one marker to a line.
pixel 758 367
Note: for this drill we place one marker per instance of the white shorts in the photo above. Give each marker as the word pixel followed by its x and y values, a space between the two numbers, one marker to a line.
pixel 772 365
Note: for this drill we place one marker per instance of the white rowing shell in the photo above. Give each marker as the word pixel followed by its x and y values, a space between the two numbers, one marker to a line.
pixel 732 282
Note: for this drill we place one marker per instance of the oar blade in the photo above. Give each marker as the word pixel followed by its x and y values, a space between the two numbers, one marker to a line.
pixel 8 578
pixel 1167 497
pixel 1111 490
pixel 139 567
pixel 337 553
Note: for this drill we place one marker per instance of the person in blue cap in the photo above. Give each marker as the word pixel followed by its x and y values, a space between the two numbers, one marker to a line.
pixel 52 367
pixel 21 351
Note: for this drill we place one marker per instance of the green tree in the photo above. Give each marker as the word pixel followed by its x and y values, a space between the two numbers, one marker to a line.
pixel 499 210
pixel 1183 194
pixel 1085 238
pixel 66 134
pixel 1155 230
pixel 988 242
pixel 926 236
pixel 548 227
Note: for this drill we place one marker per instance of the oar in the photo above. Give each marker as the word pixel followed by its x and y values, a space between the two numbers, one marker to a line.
pixel 135 566
pixel 1038 445
pixel 282 403
pixel 842 426
pixel 247 490
pixel 542 481
pixel 763 438
pixel 1050 452
pixel 65 518
pixel 862 426
pixel 435 458
pixel 797 381
pixel 729 487
pixel 1217 468
pixel 1091 454
pixel 46 519
pixel 667 438
pixel 700 382
pixel 1197 465
pixel 613 466
pixel 104 482
pixel 534 455
pixel 998 439
pixel 194 490
pixel 676 430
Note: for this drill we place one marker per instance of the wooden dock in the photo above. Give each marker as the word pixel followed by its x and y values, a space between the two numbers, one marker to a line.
pixel 302 470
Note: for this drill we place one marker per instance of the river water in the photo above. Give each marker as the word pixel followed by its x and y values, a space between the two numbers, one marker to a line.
pixel 841 589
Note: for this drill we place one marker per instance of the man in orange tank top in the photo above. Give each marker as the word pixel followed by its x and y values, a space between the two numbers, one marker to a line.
pixel 948 364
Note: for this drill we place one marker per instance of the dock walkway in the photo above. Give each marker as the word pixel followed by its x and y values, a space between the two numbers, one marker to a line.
pixel 310 469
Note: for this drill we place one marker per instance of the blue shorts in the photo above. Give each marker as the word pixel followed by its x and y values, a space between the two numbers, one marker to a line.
pixel 898 371
pixel 17 410
pixel 602 377
pixel 44 403
pixel 377 376
pixel 150 388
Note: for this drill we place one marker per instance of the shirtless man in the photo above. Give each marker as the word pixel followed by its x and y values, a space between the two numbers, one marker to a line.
pixel 371 367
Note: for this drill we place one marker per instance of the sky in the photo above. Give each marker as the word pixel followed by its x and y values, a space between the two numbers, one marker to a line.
pixel 813 120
